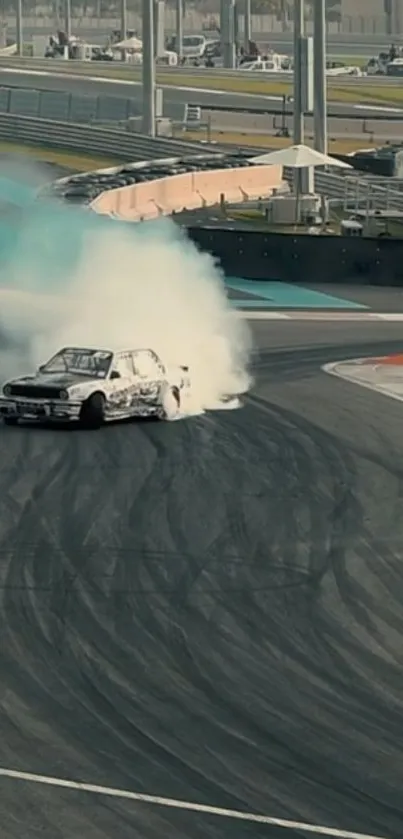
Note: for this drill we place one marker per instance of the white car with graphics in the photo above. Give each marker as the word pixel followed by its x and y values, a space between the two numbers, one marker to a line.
pixel 94 386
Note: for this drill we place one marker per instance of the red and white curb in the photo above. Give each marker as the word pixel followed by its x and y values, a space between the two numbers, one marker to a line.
pixel 322 316
pixel 350 370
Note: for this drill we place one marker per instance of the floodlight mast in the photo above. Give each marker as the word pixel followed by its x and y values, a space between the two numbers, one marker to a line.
pixel 319 63
pixel 148 69
pixel 18 16
pixel 298 34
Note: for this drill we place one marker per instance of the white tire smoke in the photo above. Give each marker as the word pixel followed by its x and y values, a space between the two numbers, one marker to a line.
pixel 74 279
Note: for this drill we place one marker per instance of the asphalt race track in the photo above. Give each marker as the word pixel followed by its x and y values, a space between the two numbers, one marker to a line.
pixel 210 610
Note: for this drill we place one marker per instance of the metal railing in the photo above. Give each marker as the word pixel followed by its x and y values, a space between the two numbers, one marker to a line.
pixel 105 142
pixel 107 107
pixel 354 191
pixel 130 146
pixel 76 107
pixel 65 106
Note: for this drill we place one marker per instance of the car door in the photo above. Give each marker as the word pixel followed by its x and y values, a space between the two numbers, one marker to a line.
pixel 121 382
pixel 148 373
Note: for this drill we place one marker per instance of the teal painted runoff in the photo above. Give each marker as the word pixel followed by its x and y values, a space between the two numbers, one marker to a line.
pixel 270 295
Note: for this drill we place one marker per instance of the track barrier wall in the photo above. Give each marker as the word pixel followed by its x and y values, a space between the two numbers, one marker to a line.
pixel 90 139
pixel 190 191
pixel 251 254
pixel 294 258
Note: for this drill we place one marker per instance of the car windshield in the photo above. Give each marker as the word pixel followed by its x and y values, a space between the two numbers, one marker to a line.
pixel 84 362
pixel 193 41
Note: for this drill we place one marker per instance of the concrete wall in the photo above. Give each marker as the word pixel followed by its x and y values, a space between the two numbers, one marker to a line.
pixel 262 25
pixel 291 258
pixel 187 192
pixel 396 17
pixel 360 17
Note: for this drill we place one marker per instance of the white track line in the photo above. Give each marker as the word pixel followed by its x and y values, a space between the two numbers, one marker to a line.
pixel 317 315
pixel 57 73
pixel 120 81
pixel 183 805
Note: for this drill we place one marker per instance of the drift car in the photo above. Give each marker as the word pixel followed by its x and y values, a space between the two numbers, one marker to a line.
pixel 94 386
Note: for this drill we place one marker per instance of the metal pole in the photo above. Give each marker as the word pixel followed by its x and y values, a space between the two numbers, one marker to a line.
pixel 247 26
pixel 19 27
pixel 67 18
pixel 148 69
pixel 298 132
pixel 123 26
pixel 229 35
pixel 123 20
pixel 319 63
pixel 222 27
pixel 298 32
pixel 179 29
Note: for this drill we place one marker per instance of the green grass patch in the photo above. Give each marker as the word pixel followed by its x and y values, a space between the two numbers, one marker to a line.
pixel 237 138
pixel 337 92
pixel 71 160
pixel 350 60
pixel 370 94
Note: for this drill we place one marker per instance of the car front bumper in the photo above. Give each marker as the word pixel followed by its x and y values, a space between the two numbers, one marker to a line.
pixel 39 409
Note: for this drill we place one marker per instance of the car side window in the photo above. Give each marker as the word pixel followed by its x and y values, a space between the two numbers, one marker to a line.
pixel 145 365
pixel 123 365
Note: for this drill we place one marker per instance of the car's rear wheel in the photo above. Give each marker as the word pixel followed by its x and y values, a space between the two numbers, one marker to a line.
pixel 170 403
pixel 10 420
pixel 92 414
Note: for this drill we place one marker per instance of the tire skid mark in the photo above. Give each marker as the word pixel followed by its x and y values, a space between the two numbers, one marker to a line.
pixel 191 612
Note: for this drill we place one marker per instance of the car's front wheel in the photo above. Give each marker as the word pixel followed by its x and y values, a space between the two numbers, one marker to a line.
pixel 170 403
pixel 10 420
pixel 92 414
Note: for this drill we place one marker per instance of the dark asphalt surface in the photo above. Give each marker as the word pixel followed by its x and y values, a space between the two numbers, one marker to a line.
pixel 174 97
pixel 210 610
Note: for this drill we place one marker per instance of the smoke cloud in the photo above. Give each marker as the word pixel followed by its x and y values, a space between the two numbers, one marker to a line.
pixel 75 279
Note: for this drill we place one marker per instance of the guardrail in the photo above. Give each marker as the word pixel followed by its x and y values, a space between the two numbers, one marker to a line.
pixel 354 191
pixel 65 106
pixel 359 115
pixel 84 108
pixel 115 68
pixel 78 107
pixel 128 146
pixel 122 145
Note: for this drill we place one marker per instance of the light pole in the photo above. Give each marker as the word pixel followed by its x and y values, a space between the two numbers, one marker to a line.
pixel 319 63
pixel 148 69
pixel 179 30
pixel 229 34
pixel 247 26
pixel 123 20
pixel 18 21
pixel 298 33
pixel 67 18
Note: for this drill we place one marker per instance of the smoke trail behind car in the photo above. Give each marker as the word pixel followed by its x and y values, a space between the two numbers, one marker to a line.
pixel 77 279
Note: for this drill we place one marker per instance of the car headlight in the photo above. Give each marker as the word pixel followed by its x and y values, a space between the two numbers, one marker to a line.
pixel 64 394
pixel 7 390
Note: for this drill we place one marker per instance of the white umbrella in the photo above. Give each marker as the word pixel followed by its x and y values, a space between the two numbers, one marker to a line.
pixel 128 44
pixel 297 157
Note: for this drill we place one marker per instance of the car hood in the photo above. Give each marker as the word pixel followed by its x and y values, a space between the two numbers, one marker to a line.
pixel 59 380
